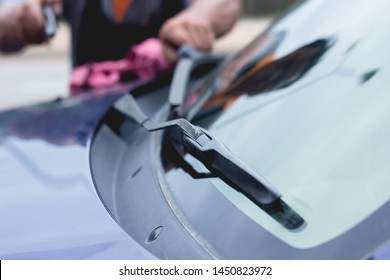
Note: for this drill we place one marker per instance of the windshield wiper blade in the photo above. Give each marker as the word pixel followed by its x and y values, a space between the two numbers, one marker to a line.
pixel 220 161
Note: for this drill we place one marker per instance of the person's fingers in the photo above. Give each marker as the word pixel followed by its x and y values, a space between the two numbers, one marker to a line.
pixel 210 37
pixel 12 37
pixel 169 53
pixel 174 35
pixel 56 4
pixel 35 12
pixel 204 37
pixel 195 35
pixel 188 30
pixel 33 22
pixel 183 29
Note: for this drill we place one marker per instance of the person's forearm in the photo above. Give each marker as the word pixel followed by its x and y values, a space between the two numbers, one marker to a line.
pixel 222 14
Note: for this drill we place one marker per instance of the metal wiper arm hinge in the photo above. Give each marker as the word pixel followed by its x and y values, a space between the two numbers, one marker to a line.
pixel 220 161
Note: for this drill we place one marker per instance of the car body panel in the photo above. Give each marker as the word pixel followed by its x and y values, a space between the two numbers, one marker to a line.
pixel 49 207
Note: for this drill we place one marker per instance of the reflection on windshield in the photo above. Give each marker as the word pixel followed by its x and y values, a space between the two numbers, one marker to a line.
pixel 258 50
pixel 270 74
pixel 257 70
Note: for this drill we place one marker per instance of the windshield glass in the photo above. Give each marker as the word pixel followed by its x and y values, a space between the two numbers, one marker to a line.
pixel 309 112
pixel 334 176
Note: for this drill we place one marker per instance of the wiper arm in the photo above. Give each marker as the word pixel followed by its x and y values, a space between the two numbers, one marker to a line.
pixel 220 161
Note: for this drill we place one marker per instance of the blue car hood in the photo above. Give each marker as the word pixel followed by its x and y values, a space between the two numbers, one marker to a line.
pixel 49 208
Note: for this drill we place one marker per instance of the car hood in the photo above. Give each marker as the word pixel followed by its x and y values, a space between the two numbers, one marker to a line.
pixel 48 205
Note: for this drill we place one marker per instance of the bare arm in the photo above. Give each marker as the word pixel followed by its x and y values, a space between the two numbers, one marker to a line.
pixel 199 25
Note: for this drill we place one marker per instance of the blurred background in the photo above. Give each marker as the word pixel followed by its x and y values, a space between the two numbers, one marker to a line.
pixel 41 73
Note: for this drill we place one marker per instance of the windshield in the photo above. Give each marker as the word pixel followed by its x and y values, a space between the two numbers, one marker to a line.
pixel 309 112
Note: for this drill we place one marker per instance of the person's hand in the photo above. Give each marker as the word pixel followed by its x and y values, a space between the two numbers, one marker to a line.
pixel 24 24
pixel 11 33
pixel 33 21
pixel 185 29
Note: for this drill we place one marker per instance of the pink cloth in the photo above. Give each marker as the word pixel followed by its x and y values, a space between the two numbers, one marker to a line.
pixel 144 61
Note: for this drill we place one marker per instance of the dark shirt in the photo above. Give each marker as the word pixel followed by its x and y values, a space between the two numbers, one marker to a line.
pixel 97 37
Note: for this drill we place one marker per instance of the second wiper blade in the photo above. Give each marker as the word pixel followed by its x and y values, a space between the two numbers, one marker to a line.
pixel 221 162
